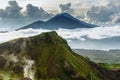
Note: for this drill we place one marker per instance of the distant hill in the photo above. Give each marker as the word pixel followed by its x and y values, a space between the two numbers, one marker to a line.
pixel 63 20
pixel 100 56
pixel 47 57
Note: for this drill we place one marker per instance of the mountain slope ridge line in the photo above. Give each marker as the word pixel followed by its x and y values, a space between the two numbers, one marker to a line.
pixel 53 60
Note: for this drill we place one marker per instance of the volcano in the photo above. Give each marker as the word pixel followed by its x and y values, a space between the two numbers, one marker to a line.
pixel 63 20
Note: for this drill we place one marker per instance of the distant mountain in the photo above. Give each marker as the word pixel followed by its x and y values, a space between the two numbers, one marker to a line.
pixel 63 20
pixel 99 44
pixel 37 24
pixel 100 56
pixel 47 57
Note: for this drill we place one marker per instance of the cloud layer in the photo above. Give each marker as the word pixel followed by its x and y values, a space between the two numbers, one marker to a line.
pixel 66 8
pixel 11 11
pixel 95 35
pixel 107 13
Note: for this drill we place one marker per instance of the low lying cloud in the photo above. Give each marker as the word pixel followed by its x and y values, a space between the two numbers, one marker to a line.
pixel 94 33
pixel 95 38
pixel 80 33
pixel 66 8
pixel 18 34
pixel 107 13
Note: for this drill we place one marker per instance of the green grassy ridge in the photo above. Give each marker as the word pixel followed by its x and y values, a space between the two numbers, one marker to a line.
pixel 60 54
pixel 54 60
pixel 57 54
pixel 110 66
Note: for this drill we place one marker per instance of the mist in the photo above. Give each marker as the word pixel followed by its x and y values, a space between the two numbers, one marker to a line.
pixel 106 37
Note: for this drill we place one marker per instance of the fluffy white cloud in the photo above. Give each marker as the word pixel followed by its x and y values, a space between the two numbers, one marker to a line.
pixel 81 34
pixel 107 13
pixel 66 8
pixel 11 11
pixel 94 38
pixel 14 16
pixel 18 34
pixel 94 33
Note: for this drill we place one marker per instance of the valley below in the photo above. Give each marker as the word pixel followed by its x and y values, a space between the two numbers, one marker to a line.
pixel 100 56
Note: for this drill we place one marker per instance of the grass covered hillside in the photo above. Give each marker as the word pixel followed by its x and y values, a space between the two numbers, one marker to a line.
pixel 47 57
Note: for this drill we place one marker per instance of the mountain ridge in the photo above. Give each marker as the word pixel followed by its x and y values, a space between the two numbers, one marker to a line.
pixel 63 20
pixel 47 57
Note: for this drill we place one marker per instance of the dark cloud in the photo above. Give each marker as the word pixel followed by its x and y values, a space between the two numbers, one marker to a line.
pixel 11 11
pixel 66 8
pixel 13 15
pixel 116 18
pixel 108 13
pixel 36 13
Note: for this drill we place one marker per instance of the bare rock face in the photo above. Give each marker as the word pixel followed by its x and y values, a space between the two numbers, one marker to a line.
pixel 2 62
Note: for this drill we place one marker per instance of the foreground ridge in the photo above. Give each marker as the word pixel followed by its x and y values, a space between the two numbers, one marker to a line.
pixel 47 57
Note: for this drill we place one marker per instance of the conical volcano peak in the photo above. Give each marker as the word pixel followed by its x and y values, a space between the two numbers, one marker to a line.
pixel 46 34
pixel 64 14
pixel 62 20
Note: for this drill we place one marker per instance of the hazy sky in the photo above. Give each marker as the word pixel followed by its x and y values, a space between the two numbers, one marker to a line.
pixel 18 13
pixel 50 4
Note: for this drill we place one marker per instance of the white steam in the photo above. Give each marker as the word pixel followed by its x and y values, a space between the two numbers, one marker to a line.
pixel 28 67
pixel 29 71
